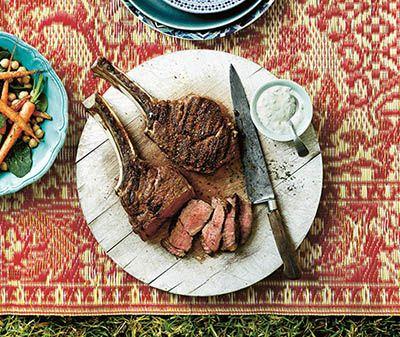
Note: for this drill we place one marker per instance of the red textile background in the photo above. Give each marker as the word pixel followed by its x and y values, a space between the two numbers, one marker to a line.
pixel 344 52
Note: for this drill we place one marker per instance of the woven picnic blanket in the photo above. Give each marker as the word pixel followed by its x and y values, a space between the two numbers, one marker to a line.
pixel 344 52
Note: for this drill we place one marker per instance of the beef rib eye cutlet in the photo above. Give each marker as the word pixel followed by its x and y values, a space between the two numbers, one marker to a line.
pixel 149 194
pixel 193 131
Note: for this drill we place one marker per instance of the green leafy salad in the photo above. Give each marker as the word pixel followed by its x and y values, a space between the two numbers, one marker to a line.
pixel 23 106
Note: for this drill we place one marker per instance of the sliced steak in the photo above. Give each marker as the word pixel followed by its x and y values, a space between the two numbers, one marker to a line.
pixel 180 238
pixel 211 234
pixel 195 215
pixel 231 232
pixel 149 194
pixel 171 249
pixel 190 222
pixel 193 131
pixel 245 220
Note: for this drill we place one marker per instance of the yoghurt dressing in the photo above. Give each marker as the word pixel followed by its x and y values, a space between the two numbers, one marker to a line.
pixel 276 106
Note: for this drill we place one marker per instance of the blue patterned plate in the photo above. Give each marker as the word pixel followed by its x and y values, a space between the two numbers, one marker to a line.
pixel 163 13
pixel 204 6
pixel 201 34
pixel 55 130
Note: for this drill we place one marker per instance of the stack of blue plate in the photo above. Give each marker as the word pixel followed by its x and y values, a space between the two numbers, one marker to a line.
pixel 198 19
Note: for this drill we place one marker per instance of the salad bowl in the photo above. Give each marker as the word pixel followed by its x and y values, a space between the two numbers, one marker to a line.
pixel 55 130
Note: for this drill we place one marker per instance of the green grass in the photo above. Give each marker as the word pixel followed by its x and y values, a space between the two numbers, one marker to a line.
pixel 213 326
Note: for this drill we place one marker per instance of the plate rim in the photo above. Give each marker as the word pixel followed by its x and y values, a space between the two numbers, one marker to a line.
pixel 187 27
pixel 173 4
pixel 62 130
pixel 201 35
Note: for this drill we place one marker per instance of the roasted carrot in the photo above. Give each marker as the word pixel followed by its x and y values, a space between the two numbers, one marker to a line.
pixel 11 114
pixel 18 106
pixel 26 113
pixel 7 75
pixel 43 115
pixel 3 130
pixel 4 92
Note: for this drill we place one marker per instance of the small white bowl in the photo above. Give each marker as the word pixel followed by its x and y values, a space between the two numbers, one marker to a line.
pixel 302 97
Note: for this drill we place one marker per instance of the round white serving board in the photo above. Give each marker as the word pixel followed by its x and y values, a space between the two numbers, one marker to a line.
pixel 297 181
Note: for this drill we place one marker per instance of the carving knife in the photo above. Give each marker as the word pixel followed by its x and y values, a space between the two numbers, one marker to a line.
pixel 258 184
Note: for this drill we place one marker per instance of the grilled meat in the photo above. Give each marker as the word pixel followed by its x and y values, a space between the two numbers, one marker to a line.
pixel 245 220
pixel 230 233
pixel 190 222
pixel 193 131
pixel 149 194
pixel 211 234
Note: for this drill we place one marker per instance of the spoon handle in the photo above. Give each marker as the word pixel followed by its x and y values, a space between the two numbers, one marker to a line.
pixel 301 149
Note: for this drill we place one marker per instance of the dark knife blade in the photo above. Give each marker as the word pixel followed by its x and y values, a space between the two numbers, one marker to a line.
pixel 259 188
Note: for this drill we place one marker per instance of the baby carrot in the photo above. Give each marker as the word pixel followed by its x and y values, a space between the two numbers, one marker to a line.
pixel 11 114
pixel 26 113
pixel 4 92
pixel 7 75
pixel 27 110
pixel 20 104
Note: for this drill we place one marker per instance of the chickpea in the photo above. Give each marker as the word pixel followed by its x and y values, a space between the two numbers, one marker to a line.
pixel 19 80
pixel 39 119
pixel 28 86
pixel 15 101
pixel 14 65
pixel 12 97
pixel 21 69
pixel 26 79
pixel 23 94
pixel 26 139
pixel 4 166
pixel 32 143
pixel 5 63
pixel 35 127
pixel 39 133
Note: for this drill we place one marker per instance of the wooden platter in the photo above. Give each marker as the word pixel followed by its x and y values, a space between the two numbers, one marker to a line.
pixel 297 181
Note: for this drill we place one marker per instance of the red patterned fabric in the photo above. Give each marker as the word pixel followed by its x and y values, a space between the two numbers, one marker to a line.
pixel 344 52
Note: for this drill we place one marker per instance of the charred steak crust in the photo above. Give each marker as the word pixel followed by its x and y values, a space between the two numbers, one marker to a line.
pixel 193 131
pixel 149 194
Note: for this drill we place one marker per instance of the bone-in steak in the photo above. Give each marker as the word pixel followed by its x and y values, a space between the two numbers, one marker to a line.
pixel 149 194
pixel 193 131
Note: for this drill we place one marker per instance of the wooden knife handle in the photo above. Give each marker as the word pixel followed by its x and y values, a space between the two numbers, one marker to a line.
pixel 285 245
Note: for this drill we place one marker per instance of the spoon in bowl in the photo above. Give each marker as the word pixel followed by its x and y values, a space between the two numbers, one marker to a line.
pixel 301 149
